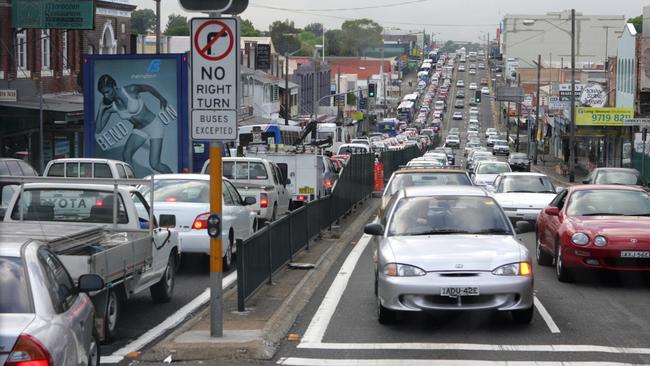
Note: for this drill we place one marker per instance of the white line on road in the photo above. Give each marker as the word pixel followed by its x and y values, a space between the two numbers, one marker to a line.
pixel 553 348
pixel 546 316
pixel 421 362
pixel 169 323
pixel 318 325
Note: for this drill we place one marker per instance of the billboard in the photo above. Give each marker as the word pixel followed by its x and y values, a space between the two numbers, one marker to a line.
pixel 592 116
pixel 135 110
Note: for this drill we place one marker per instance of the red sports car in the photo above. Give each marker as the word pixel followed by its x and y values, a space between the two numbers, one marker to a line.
pixel 603 227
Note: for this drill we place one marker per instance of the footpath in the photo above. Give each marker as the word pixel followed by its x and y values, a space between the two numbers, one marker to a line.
pixel 257 333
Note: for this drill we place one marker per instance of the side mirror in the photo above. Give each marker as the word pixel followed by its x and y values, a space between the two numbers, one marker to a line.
pixel 585 181
pixel 168 221
pixel 249 201
pixel 522 227
pixel 374 229
pixel 559 189
pixel 552 211
pixel 90 282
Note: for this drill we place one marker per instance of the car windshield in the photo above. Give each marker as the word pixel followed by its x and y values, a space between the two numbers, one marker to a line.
pixel 492 168
pixel 618 177
pixel 525 183
pixel 181 190
pixel 609 202
pixel 447 215
pixel 14 293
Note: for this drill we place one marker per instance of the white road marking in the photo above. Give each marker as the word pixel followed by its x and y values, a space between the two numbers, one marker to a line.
pixel 421 362
pixel 546 316
pixel 553 348
pixel 318 325
pixel 169 323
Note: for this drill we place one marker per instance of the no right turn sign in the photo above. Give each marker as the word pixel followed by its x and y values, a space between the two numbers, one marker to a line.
pixel 215 77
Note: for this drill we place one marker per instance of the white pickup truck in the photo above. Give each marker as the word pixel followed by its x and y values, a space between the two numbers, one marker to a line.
pixel 105 229
pixel 260 179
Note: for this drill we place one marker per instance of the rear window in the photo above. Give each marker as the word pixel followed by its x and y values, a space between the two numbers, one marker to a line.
pixel 72 170
pixel 103 171
pixel 56 170
pixel 619 177
pixel 402 181
pixel 244 170
pixel 172 190
pixel 14 293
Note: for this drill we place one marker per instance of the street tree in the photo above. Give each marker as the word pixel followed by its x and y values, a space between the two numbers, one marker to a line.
pixel 143 21
pixel 360 34
pixel 247 28
pixel 177 26
pixel 333 42
pixel 638 23
pixel 285 36
pixel 316 28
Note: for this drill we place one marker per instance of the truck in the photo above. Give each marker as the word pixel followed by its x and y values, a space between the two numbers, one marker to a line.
pixel 259 178
pixel 99 226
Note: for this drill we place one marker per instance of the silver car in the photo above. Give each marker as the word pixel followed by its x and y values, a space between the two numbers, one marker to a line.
pixel 449 248
pixel 44 318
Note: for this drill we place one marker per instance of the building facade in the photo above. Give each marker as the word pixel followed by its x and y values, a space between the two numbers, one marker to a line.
pixel 626 67
pixel 314 80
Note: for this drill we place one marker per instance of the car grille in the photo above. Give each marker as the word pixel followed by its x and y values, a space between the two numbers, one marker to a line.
pixel 437 302
pixel 628 262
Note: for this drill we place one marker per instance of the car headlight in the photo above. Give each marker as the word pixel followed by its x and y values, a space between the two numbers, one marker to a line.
pixel 402 270
pixel 600 241
pixel 580 239
pixel 514 269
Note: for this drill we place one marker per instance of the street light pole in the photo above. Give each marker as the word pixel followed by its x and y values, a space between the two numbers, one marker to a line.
pixel 539 69
pixel 157 26
pixel 572 132
pixel 286 89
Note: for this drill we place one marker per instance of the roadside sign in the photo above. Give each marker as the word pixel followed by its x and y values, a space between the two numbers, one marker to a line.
pixel 262 57
pixel 644 122
pixel 8 95
pixel 592 116
pixel 53 14
pixel 215 78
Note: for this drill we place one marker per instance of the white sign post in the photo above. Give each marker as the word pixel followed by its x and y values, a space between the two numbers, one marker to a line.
pixel 215 77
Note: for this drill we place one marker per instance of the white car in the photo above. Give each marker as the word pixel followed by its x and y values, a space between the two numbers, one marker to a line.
pixel 523 195
pixel 457 115
pixel 188 197
pixel 473 86
pixel 472 71
pixel 485 90
pixel 485 172
pixel 490 132
pixel 452 141
pixel 474 121
pixel 460 84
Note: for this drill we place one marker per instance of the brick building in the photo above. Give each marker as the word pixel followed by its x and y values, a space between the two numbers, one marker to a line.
pixel 50 60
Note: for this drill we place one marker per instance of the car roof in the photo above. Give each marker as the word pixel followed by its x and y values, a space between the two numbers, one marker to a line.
pixel 86 160
pixel 518 174
pixel 605 187
pixel 447 169
pixel 428 191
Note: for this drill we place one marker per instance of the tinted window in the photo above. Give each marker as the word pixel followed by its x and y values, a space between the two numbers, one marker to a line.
pixel 236 198
pixel 172 190
pixel 227 197
pixel 86 170
pixel 56 170
pixel 14 293
pixel 72 170
pixel 120 171
pixel 129 171
pixel 609 202
pixel 14 168
pixel 447 214
pixel 530 184
pixel 243 170
pixel 103 171
pixel 59 283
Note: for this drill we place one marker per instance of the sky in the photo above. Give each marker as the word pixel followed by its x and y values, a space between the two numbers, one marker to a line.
pixel 461 20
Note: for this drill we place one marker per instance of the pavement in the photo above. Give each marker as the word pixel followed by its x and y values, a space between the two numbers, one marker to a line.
pixel 258 332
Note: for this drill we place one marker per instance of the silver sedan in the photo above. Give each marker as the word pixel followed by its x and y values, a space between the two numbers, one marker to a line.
pixel 450 248
pixel 44 318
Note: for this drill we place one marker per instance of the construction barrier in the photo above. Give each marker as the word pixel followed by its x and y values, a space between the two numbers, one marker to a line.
pixel 379 176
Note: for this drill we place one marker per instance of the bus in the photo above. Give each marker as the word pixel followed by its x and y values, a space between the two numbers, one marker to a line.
pixel 388 126
pixel 406 111
pixel 268 134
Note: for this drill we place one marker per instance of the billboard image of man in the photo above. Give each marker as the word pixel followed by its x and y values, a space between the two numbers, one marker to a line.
pixel 126 102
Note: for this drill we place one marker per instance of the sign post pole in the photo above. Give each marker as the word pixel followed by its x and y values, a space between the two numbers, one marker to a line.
pixel 215 104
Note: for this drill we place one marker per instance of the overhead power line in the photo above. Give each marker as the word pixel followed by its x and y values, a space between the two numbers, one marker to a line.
pixel 344 9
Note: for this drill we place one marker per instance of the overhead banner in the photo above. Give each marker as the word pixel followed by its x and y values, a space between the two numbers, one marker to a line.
pixel 592 116
pixel 53 14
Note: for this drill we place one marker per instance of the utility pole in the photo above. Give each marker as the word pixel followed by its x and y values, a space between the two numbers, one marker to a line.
pixel 315 94
pixel 572 132
pixel 339 113
pixel 287 93
pixel 539 68
pixel 518 111
pixel 157 26
pixel 508 123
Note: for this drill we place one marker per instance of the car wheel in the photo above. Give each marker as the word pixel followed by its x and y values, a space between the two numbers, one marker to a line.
pixel 524 316
pixel 164 290
pixel 562 273
pixel 93 350
pixel 385 316
pixel 227 258
pixel 274 216
pixel 543 258
pixel 112 316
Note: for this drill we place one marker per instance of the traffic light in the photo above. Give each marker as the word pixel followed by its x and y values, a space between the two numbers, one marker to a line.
pixel 477 96
pixel 371 90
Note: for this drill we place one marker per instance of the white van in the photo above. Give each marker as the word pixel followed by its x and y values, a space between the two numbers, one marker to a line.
pixel 88 168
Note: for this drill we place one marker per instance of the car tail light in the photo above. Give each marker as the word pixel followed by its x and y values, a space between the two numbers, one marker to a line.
pixel 170 199
pixel 301 198
pixel 29 352
pixel 328 183
pixel 264 200
pixel 201 221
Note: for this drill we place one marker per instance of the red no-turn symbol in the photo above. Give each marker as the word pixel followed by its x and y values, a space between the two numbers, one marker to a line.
pixel 214 40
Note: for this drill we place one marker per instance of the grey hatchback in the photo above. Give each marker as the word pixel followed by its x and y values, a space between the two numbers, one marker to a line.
pixel 45 319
